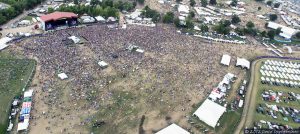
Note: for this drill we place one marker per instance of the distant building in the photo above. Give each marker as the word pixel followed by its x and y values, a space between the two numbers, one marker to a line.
pixel 286 32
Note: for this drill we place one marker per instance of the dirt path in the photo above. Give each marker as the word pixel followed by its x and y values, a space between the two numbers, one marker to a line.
pixel 249 103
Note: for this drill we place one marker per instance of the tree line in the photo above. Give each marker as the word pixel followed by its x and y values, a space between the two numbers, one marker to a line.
pixel 16 8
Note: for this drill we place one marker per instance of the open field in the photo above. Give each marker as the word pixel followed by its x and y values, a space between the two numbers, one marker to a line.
pixel 175 72
pixel 259 89
pixel 14 75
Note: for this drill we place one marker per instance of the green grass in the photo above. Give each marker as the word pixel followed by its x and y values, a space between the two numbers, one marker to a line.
pixel 260 87
pixel 14 75
pixel 229 121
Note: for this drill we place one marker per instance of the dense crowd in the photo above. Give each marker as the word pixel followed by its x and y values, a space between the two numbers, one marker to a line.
pixel 177 67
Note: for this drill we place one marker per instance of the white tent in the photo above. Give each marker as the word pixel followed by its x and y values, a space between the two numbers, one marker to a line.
pixel 28 93
pixel 100 19
pixel 243 63
pixel 3 42
pixel 62 76
pixel 286 32
pixel 102 64
pixel 74 39
pixel 23 125
pixel 225 60
pixel 173 129
pixel 183 9
pixel 210 112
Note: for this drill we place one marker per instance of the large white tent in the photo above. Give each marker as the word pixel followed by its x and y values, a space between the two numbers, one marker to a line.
pixel 225 60
pixel 210 112
pixel 173 129
pixel 3 42
pixel 243 63
pixel 286 32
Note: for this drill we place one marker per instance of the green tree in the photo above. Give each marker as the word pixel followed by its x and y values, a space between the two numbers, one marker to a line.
pixel 189 23
pixel 204 3
pixel 50 10
pixel 276 5
pixel 278 31
pixel 263 34
pixel 269 3
pixel 178 1
pixel 235 19
pixel 76 2
pixel 192 14
pixel 234 3
pixel 2 19
pixel 273 17
pixel 204 28
pixel 250 24
pixel 271 34
pixel 141 1
pixel 94 2
pixel 240 31
pixel 168 17
pixel 192 2
pixel 297 35
pixel 259 8
pixel 177 22
pixel 213 2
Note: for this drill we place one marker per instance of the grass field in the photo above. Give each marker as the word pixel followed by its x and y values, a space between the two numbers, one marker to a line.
pixel 14 75
pixel 261 87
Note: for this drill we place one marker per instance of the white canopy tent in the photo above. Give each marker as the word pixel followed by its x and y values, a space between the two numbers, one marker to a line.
pixel 173 129
pixel 62 76
pixel 74 39
pixel 28 93
pixel 225 60
pixel 243 63
pixel 210 112
pixel 3 42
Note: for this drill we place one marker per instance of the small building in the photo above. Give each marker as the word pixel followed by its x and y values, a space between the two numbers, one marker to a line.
pixel 225 60
pixel 173 129
pixel 286 32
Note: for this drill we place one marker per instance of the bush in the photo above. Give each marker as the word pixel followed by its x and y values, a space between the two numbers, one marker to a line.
pixel 269 3
pixel 150 13
pixel 250 24
pixel 204 28
pixel 234 3
pixel 192 3
pixel 276 5
pixel 204 3
pixel 235 19
pixel 213 2
pixel 168 17
pixel 271 34
pixel 192 14
pixel 273 17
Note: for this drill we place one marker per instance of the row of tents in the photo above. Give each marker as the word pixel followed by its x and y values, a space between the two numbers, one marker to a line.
pixel 277 82
pixel 25 111
pixel 280 75
pixel 282 63
pixel 221 40
pixel 281 69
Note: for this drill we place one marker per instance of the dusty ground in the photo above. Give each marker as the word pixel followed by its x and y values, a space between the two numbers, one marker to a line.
pixel 175 72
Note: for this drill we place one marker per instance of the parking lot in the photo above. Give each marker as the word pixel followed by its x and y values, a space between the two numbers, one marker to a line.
pixel 277 105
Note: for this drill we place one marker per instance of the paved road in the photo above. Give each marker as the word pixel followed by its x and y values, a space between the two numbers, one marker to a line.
pixel 249 102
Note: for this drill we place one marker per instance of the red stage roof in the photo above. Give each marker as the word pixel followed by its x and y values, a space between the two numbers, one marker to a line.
pixel 58 15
